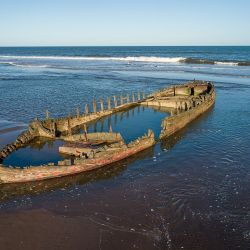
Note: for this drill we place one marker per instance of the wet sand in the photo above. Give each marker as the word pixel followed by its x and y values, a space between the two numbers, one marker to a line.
pixel 41 229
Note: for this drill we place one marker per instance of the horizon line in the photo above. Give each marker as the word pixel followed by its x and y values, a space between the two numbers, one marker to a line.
pixel 24 46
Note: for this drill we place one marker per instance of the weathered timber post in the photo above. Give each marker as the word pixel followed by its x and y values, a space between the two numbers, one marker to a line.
pixel 85 131
pixel 180 106
pixel 176 105
pixel 101 104
pixel 69 127
pixel 185 106
pixel 47 114
pixel 174 90
pixel 94 106
pixel 77 112
pixel 110 129
pixel 108 103
pixel 86 109
pixel 128 99
pixel 190 104
pixel 139 96
pixel 115 101
pixel 133 97
pixel 54 128
pixel 51 126
pixel 121 99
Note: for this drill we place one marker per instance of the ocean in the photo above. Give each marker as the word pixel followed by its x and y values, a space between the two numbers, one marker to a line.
pixel 188 192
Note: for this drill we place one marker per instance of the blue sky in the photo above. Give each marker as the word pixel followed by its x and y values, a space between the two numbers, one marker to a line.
pixel 124 22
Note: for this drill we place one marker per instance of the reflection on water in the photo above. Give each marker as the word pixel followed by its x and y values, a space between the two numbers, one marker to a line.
pixel 39 152
pixel 132 123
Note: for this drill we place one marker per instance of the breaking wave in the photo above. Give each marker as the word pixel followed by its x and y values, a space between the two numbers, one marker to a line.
pixel 28 65
pixel 212 62
pixel 150 59
pixel 25 65
pixel 105 58
pixel 227 63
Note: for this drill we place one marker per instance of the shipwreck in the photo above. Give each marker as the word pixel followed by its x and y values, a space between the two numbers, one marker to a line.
pixel 89 151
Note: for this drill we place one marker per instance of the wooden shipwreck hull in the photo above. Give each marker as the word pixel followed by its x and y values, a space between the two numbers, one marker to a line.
pixel 9 175
pixel 186 102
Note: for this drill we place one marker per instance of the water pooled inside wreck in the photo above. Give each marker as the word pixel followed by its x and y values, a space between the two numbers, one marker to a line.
pixel 132 123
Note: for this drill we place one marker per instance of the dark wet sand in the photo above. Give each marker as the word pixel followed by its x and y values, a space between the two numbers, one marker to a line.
pixel 40 229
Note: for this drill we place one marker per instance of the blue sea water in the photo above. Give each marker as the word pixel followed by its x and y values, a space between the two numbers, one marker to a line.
pixel 190 191
pixel 63 78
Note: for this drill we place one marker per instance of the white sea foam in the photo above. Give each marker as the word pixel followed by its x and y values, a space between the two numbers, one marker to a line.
pixel 28 65
pixel 149 59
pixel 127 59
pixel 25 65
pixel 227 63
